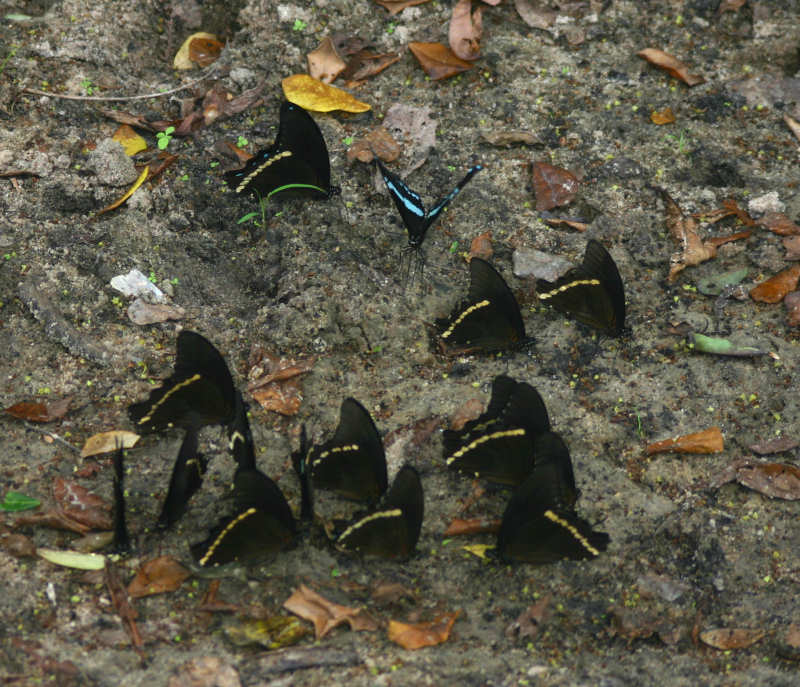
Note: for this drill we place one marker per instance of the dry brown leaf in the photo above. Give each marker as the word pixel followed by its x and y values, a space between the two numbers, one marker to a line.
pixel 469 410
pixel 387 593
pixel 671 65
pixel 123 117
pixel 661 117
pixel 530 621
pixel 774 289
pixel 776 480
pixel 395 6
pixel 364 64
pixel 55 518
pixel 80 505
pixel 462 526
pixel 205 50
pixel 535 14
pixel 156 576
pixel 129 139
pixel 419 635
pixel 726 638
pixel 378 141
pixel 39 412
pixel 17 545
pixel 183 59
pixel 324 614
pixel 106 442
pixel 311 94
pixel 707 441
pixel 508 138
pixel 438 61
pixel 792 246
pixel 142 313
pixel 576 224
pixel 325 63
pixel 277 385
pixel 553 186
pixel 792 303
pixel 465 30
pixel 793 124
pixel 481 246
pixel 730 6
pixel 779 223
pixel 777 445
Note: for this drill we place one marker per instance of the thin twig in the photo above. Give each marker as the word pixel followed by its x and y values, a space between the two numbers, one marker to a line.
pixel 53 436
pixel 36 91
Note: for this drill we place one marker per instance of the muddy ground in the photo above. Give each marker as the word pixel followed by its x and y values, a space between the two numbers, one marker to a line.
pixel 324 279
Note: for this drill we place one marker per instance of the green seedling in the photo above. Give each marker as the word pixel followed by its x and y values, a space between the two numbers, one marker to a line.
pixel 86 84
pixel 299 25
pixel 241 142
pixel 164 137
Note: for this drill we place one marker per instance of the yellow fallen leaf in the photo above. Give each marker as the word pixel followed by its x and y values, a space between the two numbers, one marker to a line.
pixel 130 140
pixel 106 442
pixel 74 559
pixel 182 60
pixel 310 94
pixel 478 550
pixel 128 193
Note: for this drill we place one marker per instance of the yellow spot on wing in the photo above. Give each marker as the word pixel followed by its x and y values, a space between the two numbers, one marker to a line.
pixel 244 182
pixel 224 533
pixel 336 449
pixel 583 541
pixel 482 440
pixel 160 401
pixel 566 287
pixel 471 309
pixel 393 513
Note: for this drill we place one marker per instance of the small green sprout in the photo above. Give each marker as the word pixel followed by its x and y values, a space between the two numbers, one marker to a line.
pixel 390 27
pixel 86 84
pixel 348 140
pixel 164 137
pixel 241 142
pixel 299 25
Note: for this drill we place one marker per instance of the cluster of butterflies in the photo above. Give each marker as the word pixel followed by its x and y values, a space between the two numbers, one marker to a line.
pixel 489 318
pixel 201 392
pixel 511 443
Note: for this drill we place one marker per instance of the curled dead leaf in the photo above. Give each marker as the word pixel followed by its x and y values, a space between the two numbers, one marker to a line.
pixel 726 638
pixel 156 576
pixel 127 194
pixel 508 138
pixel 465 30
pixel 779 223
pixel 311 94
pixel 661 117
pixel 553 186
pixel 324 614
pixel 378 141
pixel 438 61
pixel 707 441
pixel 324 62
pixel 39 412
pixel 672 65
pixel 481 246
pixel 364 64
pixel 775 289
pixel 106 442
pixel 776 480
pixel 462 526
pixel 205 46
pixel 419 635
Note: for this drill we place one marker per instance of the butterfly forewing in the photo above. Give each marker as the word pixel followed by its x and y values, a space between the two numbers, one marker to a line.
pixel 187 477
pixel 352 463
pixel 296 164
pixel 199 392
pixel 592 292
pixel 391 531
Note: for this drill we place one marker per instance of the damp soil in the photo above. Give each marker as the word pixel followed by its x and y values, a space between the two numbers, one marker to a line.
pixel 324 279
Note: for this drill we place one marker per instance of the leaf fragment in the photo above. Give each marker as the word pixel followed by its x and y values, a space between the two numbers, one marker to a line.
pixel 706 441
pixel 73 559
pixel 157 576
pixel 726 638
pixel 106 442
pixel 661 117
pixel 126 195
pixel 197 49
pixel 672 65
pixel 274 632
pixel 779 223
pixel 418 635
pixel 311 94
pixel 39 412
pixel 792 303
pixel 326 615
pixel 774 289
pixel 14 501
pixel 438 61
pixel 324 62
pixel 719 346
pixel 553 186
pixel 130 140
pixel 776 480
pixel 465 30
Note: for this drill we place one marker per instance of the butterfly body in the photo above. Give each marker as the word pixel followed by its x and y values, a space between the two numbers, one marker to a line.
pixel 296 164
pixel 592 293
pixel 489 318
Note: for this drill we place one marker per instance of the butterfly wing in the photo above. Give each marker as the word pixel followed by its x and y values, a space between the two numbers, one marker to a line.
pixel 352 463
pixel 392 531
pixel 199 392
pixel 592 292
pixel 297 163
pixel 240 438
pixel 186 479
pixel 488 320
pixel 122 540
pixel 408 204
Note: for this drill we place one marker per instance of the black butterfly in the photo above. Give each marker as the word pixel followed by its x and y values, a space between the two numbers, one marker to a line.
pixel 488 320
pixel 122 540
pixel 540 524
pixel 199 392
pixel 186 479
pixel 296 164
pixel 263 524
pixel 352 463
pixel 392 530
pixel 499 445
pixel 592 292
pixel 409 204
pixel 240 438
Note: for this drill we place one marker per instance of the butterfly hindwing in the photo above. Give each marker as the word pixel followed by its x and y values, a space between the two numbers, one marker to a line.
pixel 488 320
pixel 186 479
pixel 296 164
pixel 263 523
pixel 352 463
pixel 393 529
pixel 592 292
pixel 199 392
pixel 122 540
pixel 240 438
